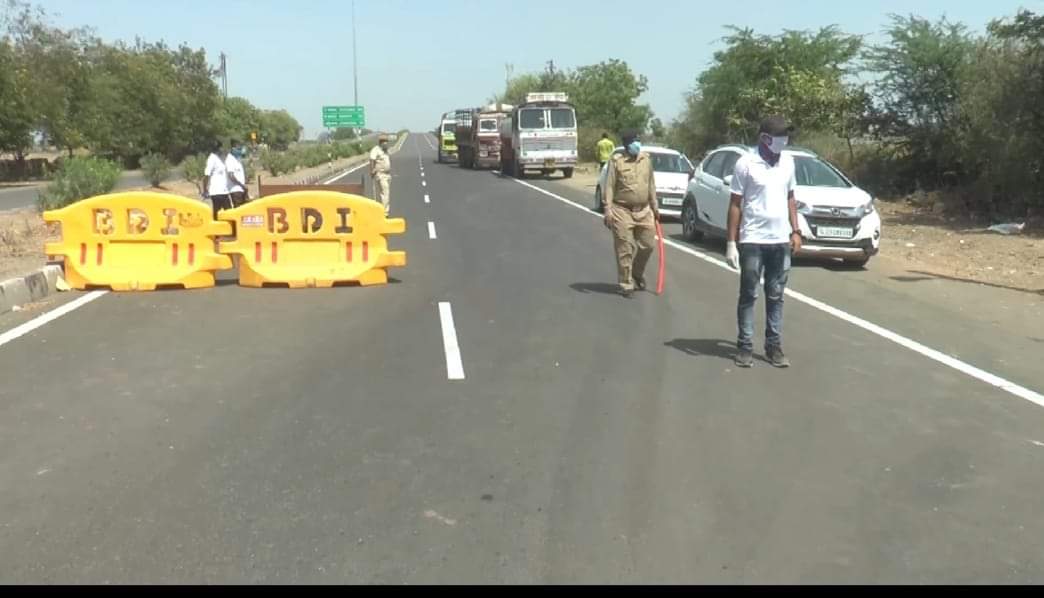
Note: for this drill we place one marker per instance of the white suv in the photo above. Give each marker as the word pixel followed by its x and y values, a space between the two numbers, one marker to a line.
pixel 670 169
pixel 837 219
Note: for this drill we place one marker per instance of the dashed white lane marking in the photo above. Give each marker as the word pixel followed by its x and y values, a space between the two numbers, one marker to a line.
pixel 427 198
pixel 54 314
pixel 431 230
pixel 933 354
pixel 454 366
pixel 424 183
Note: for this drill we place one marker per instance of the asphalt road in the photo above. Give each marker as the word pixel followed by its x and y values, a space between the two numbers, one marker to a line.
pixel 278 436
pixel 21 197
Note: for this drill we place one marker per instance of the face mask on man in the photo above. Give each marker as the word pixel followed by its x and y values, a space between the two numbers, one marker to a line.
pixel 634 148
pixel 776 144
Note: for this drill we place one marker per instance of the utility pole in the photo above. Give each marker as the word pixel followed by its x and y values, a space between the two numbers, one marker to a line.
pixel 355 63
pixel 224 75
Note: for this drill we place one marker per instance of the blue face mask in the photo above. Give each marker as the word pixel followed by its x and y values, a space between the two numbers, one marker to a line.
pixel 634 148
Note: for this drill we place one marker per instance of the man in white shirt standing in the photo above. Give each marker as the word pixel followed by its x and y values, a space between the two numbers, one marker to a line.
pixel 215 180
pixel 380 172
pixel 237 187
pixel 763 220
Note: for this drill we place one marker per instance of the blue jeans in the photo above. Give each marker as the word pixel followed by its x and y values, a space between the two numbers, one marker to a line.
pixel 774 262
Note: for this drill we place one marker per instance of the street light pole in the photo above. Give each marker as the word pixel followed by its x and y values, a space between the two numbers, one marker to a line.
pixel 355 63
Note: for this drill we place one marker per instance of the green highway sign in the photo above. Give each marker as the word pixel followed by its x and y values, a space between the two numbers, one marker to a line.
pixel 336 117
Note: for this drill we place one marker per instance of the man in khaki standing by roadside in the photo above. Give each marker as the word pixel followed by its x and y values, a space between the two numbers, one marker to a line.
pixel 631 212
pixel 380 172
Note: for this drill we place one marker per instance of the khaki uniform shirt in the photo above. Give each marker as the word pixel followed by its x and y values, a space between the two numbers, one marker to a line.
pixel 380 161
pixel 630 183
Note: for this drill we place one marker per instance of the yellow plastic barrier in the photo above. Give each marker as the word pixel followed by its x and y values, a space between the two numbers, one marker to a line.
pixel 313 239
pixel 137 241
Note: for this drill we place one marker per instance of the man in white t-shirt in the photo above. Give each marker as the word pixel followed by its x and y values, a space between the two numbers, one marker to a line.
pixel 215 180
pixel 237 188
pixel 763 220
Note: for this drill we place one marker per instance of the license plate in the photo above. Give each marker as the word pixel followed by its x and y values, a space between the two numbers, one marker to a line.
pixel 836 232
pixel 549 163
pixel 671 201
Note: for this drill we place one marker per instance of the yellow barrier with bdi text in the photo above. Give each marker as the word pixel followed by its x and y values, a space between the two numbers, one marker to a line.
pixel 137 241
pixel 312 239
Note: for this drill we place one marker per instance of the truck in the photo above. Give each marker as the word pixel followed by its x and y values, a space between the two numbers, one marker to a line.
pixel 478 136
pixel 540 134
pixel 446 134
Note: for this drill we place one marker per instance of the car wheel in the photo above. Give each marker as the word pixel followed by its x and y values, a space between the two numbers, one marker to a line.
pixel 438 157
pixel 518 171
pixel 599 207
pixel 691 220
pixel 567 173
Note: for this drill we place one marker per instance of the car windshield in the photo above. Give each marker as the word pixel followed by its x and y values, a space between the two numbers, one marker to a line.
pixel 449 128
pixel 562 118
pixel 531 119
pixel 488 125
pixel 813 172
pixel 669 163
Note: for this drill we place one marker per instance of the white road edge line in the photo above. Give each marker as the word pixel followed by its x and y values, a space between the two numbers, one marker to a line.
pixel 348 172
pixel 427 198
pixel 454 367
pixel 951 362
pixel 431 230
pixel 42 319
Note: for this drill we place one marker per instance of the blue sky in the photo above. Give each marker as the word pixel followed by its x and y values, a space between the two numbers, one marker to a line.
pixel 419 58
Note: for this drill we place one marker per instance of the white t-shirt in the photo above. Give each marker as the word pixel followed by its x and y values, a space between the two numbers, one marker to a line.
pixel 765 190
pixel 235 172
pixel 218 174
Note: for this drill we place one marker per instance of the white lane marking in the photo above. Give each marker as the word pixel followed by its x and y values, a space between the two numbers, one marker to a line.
pixel 424 183
pixel 430 144
pixel 951 362
pixel 454 367
pixel 422 173
pixel 427 198
pixel 431 230
pixel 54 314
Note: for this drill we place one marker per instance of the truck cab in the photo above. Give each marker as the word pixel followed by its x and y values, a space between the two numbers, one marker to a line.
pixel 447 148
pixel 540 135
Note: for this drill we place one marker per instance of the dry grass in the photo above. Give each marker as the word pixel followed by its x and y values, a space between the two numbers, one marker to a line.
pixel 22 237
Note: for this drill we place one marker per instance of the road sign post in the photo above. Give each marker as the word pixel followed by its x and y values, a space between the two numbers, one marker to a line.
pixel 340 117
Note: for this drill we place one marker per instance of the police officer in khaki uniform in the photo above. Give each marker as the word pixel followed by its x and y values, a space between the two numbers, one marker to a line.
pixel 380 172
pixel 631 211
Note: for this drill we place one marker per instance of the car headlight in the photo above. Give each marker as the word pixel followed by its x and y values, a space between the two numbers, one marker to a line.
pixel 803 208
pixel 868 208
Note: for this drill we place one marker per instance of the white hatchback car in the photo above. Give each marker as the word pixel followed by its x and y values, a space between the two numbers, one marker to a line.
pixel 837 219
pixel 670 169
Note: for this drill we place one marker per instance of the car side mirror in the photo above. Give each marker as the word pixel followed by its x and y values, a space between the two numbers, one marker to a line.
pixel 728 181
pixel 692 173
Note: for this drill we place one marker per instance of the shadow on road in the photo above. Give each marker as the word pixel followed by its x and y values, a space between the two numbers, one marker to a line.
pixel 922 276
pixel 604 288
pixel 704 347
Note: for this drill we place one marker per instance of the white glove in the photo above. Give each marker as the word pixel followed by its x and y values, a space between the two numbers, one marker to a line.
pixel 732 255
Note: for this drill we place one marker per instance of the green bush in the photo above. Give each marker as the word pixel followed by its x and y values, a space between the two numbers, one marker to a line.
pixel 156 169
pixel 193 167
pixel 79 178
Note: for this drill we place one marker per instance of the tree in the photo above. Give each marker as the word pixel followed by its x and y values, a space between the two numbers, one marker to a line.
pixel 921 69
pixel 279 129
pixel 15 115
pixel 606 95
pixel 343 134
pixel 238 118
pixel 657 130
pixel 799 74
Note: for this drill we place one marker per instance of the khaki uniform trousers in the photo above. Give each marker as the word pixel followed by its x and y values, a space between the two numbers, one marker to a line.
pixel 382 190
pixel 634 237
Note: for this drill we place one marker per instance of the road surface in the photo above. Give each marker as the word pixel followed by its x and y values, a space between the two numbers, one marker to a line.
pixel 497 414
pixel 22 197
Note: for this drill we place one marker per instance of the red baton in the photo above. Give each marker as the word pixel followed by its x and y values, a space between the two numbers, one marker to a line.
pixel 659 275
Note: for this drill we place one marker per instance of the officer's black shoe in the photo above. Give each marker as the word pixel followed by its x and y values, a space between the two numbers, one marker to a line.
pixel 640 283
pixel 744 359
